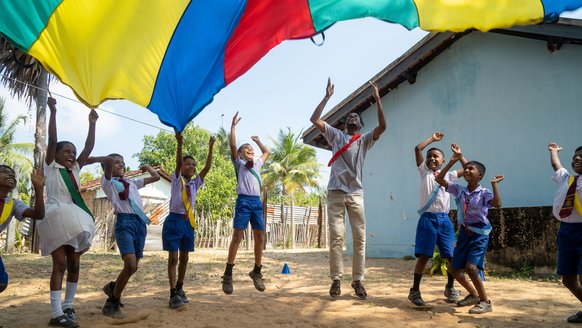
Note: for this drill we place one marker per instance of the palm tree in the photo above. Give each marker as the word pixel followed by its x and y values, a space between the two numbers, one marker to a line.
pixel 13 154
pixel 222 142
pixel 292 165
pixel 26 78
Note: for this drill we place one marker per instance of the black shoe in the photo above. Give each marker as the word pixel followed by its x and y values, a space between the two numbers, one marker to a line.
pixel 415 297
pixel 112 309
pixel 257 281
pixel 176 302
pixel 227 287
pixel 182 295
pixel 62 321
pixel 336 289
pixel 575 318
pixel 108 288
pixel 70 313
pixel 359 289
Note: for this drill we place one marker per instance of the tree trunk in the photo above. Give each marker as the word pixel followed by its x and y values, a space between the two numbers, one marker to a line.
pixel 292 225
pixel 39 142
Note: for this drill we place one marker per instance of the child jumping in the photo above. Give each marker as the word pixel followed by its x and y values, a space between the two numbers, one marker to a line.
pixel 131 224
pixel 434 226
pixel 10 207
pixel 248 205
pixel 473 203
pixel 178 230
pixel 568 210
pixel 68 228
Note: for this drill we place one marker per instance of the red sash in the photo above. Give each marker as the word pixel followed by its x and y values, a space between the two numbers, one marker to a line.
pixel 344 148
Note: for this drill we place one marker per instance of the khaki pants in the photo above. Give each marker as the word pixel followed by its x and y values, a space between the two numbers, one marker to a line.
pixel 337 203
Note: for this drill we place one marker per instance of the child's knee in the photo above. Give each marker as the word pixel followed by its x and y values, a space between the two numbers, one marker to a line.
pixel 472 269
pixel 237 236
pixel 172 260
pixel 73 267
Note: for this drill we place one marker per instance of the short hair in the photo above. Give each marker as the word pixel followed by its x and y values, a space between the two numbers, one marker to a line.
pixel 110 155
pixel 3 166
pixel 241 147
pixel 578 149
pixel 359 116
pixel 62 144
pixel 480 167
pixel 436 149
pixel 184 158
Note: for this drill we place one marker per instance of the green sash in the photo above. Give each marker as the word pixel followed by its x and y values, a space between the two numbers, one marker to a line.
pixel 77 199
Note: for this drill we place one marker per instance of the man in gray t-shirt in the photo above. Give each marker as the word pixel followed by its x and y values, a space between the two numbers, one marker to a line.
pixel 345 190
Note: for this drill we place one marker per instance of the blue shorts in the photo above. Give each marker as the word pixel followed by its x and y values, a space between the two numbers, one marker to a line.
pixel 434 229
pixel 248 208
pixel 130 234
pixel 177 233
pixel 3 274
pixel 470 249
pixel 569 242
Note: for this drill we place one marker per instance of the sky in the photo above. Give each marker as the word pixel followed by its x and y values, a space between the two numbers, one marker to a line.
pixel 279 92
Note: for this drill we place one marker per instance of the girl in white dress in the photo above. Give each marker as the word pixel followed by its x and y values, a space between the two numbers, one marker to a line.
pixel 68 228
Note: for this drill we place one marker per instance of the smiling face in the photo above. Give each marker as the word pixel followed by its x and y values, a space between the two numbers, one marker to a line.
pixel 247 152
pixel 188 168
pixel 66 154
pixel 7 178
pixel 353 122
pixel 434 159
pixel 118 167
pixel 472 173
pixel 577 162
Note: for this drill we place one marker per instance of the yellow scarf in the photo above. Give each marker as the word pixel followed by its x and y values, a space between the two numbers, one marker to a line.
pixel 188 204
pixel 6 211
pixel 577 204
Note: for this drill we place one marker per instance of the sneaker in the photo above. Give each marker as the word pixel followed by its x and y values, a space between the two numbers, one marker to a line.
pixel 227 287
pixel 415 297
pixel 257 280
pixel 62 321
pixel 453 295
pixel 182 295
pixel 359 289
pixel 575 318
pixel 176 302
pixel 336 288
pixel 108 288
pixel 468 300
pixel 112 309
pixel 481 307
pixel 70 313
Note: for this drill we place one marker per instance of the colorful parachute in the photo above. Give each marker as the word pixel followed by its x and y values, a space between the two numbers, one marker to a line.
pixel 174 56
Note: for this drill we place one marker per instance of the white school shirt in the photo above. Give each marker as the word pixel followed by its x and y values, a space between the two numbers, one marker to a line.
pixel 123 206
pixel 442 203
pixel 562 177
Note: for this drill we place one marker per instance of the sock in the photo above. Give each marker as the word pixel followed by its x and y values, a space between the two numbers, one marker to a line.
pixel 450 281
pixel 70 292
pixel 173 292
pixel 416 284
pixel 114 299
pixel 179 285
pixel 56 309
pixel 257 269
pixel 228 271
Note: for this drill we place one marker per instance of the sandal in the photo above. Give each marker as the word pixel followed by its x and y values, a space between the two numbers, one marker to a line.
pixel 359 289
pixel 335 290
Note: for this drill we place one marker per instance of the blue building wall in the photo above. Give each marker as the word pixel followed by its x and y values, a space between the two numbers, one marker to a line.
pixel 502 99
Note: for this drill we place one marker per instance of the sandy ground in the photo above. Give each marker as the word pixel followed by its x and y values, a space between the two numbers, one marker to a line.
pixel 297 300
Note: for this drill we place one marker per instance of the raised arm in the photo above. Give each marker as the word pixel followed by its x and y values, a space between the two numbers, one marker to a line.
pixel 496 201
pixel 38 184
pixel 106 162
pixel 440 179
pixel 381 119
pixel 208 158
pixel 179 140
pixel 554 149
pixel 265 152
pixel 456 149
pixel 51 148
pixel 154 176
pixel 90 141
pixel 437 136
pixel 316 116
pixel 232 137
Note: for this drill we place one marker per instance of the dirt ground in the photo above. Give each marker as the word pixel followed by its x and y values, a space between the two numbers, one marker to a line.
pixel 297 300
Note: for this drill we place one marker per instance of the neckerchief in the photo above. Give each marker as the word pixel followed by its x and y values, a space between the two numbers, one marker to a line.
pixel 187 199
pixel 5 210
pixel 136 209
